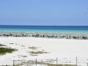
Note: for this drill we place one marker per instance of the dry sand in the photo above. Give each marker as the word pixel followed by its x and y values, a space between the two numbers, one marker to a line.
pixel 67 49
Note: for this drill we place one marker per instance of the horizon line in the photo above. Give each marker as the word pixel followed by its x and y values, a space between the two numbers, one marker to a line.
pixel 43 25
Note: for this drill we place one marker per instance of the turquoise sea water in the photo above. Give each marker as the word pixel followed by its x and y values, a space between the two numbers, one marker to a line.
pixel 67 29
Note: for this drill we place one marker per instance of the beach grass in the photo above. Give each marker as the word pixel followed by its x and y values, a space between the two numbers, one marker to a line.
pixel 2 45
pixel 11 43
pixel 36 53
pixel 33 48
pixel 6 50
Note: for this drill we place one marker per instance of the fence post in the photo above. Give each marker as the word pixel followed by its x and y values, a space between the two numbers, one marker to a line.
pixel 56 61
pixel 87 64
pixel 21 61
pixel 76 61
pixel 13 62
pixel 36 62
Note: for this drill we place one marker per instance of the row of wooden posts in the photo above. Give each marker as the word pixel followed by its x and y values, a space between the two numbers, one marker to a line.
pixel 45 34
pixel 36 62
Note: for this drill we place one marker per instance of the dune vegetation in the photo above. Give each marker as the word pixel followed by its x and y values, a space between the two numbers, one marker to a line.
pixel 2 45
pixel 6 50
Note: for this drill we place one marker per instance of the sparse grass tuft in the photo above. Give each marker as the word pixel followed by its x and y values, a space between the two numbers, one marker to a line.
pixel 6 50
pixel 35 53
pixel 22 45
pixel 33 48
pixel 24 56
pixel 11 43
pixel 2 45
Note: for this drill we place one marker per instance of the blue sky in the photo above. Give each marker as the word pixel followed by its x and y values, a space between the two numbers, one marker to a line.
pixel 44 12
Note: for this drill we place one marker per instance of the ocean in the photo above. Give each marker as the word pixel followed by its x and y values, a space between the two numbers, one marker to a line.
pixel 65 29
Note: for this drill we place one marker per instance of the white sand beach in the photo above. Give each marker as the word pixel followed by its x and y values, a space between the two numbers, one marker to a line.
pixel 67 49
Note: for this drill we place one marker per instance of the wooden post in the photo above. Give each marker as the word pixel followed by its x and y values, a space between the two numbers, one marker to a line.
pixel 13 62
pixel 36 62
pixel 87 64
pixel 76 61
pixel 56 61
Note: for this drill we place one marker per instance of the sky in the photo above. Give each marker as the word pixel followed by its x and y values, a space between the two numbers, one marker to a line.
pixel 44 12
